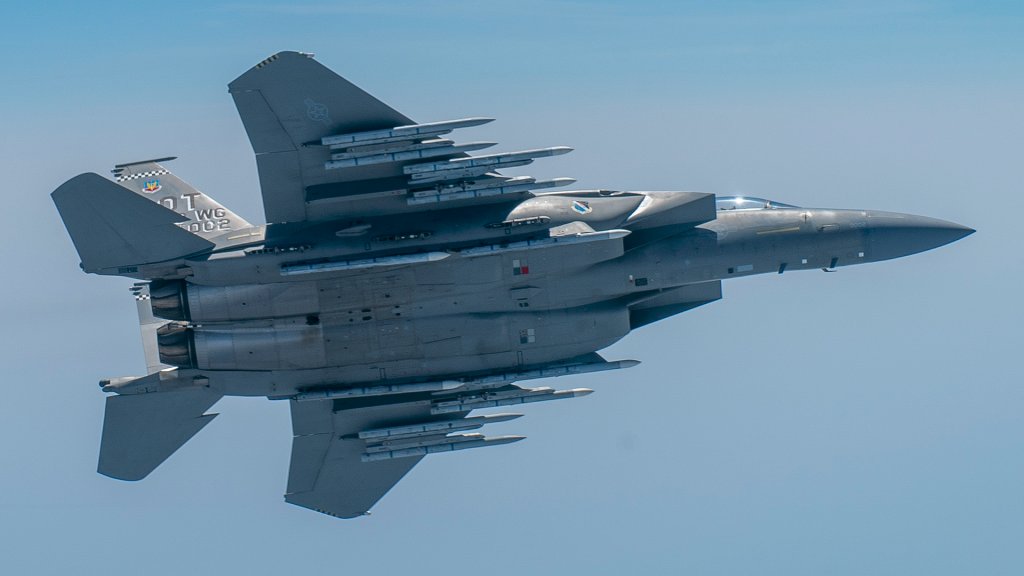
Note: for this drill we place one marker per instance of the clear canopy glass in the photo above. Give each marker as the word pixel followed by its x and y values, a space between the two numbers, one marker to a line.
pixel 748 203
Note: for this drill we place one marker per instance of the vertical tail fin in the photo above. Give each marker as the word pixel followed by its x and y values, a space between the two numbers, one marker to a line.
pixel 148 325
pixel 207 218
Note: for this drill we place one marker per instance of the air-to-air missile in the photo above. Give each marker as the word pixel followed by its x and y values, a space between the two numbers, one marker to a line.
pixel 408 133
pixel 400 283
pixel 463 384
pixel 363 263
pixel 436 427
pixel 428 437
pixel 489 187
pixel 504 398
pixel 440 444
pixel 427 149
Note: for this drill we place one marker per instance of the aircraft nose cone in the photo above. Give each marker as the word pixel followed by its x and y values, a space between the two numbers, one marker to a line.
pixel 892 235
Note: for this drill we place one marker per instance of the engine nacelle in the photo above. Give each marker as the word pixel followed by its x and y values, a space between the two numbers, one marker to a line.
pixel 178 300
pixel 167 298
pixel 176 344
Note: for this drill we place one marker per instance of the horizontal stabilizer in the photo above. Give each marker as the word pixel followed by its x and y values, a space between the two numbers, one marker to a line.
pixel 140 431
pixel 114 228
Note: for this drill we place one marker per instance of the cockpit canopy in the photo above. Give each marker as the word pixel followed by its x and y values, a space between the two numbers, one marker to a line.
pixel 747 203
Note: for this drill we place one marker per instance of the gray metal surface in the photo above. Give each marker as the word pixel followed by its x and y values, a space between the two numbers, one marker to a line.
pixel 393 291
pixel 327 473
pixel 140 431
pixel 207 218
pixel 114 229
pixel 289 100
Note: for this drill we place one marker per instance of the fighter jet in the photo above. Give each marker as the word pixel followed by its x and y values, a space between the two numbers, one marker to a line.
pixel 400 284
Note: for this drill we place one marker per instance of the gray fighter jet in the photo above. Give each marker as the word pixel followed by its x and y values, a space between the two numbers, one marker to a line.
pixel 400 283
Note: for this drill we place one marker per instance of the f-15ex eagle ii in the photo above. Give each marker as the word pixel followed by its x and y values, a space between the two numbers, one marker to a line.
pixel 401 283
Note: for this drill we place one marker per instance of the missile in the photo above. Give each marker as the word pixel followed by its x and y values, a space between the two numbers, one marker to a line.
pixel 436 427
pixel 493 161
pixel 504 398
pixel 443 386
pixel 387 148
pixel 488 160
pixel 495 380
pixel 399 260
pixel 447 444
pixel 421 442
pixel 463 173
pixel 381 390
pixel 481 184
pixel 457 194
pixel 545 242
pixel 400 133
pixel 349 160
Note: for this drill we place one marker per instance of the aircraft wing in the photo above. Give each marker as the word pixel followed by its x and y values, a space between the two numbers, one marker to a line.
pixel 327 473
pixel 347 454
pixel 325 149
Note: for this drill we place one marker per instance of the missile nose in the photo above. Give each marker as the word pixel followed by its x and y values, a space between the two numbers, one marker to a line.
pixel 892 235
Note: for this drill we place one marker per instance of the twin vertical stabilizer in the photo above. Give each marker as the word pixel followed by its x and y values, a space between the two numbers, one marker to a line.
pixel 207 218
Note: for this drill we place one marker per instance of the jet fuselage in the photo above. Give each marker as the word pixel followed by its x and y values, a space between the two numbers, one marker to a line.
pixel 508 310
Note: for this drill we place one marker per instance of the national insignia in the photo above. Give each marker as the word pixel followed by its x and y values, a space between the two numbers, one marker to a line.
pixel 317 112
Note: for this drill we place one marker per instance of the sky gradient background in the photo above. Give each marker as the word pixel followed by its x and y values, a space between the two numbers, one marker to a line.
pixel 864 422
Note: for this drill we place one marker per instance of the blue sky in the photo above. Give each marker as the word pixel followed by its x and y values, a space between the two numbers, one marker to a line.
pixel 860 422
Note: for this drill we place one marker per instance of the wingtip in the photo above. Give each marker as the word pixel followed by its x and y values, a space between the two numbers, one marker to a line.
pixel 239 84
pixel 71 185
